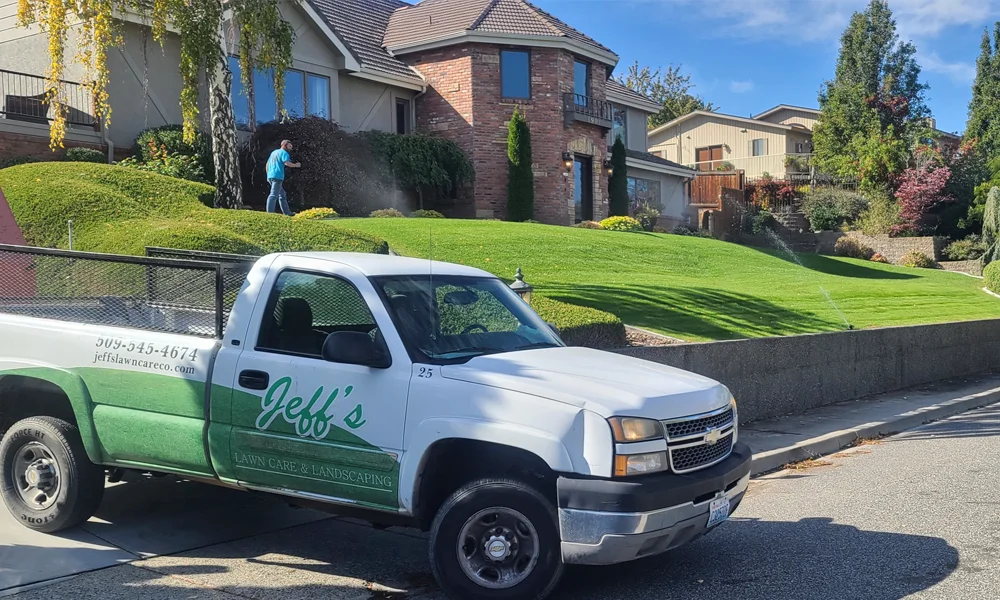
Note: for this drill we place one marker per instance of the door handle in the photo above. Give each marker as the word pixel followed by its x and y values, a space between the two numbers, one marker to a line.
pixel 254 380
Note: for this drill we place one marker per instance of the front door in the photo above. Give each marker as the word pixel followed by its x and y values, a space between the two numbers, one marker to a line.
pixel 583 188
pixel 303 424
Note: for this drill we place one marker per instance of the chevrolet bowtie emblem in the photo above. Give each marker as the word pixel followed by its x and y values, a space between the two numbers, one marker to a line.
pixel 713 436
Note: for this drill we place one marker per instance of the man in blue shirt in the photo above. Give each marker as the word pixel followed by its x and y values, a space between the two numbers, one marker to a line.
pixel 276 164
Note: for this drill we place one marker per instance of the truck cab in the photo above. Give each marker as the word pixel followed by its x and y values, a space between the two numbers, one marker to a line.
pixel 402 390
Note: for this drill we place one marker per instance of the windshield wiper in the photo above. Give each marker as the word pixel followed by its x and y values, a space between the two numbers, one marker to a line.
pixel 468 351
pixel 536 345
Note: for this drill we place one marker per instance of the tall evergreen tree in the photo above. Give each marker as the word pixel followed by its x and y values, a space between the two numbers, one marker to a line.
pixel 618 182
pixel 873 111
pixel 984 108
pixel 520 178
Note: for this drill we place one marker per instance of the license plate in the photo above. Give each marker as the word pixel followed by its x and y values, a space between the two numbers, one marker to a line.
pixel 718 511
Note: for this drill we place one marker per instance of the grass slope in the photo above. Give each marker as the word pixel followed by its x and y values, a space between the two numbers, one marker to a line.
pixel 121 210
pixel 693 288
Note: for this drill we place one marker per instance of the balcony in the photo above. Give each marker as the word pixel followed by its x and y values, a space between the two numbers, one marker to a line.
pixel 587 110
pixel 22 98
pixel 782 166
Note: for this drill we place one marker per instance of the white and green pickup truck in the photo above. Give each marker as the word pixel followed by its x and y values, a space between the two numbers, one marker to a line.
pixel 399 390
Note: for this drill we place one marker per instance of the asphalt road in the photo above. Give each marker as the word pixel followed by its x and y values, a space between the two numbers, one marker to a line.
pixel 913 516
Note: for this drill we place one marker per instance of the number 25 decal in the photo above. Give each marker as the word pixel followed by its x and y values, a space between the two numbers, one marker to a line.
pixel 425 373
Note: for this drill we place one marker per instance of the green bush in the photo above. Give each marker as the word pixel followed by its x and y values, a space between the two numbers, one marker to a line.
pixel 588 225
pixel 880 217
pixel 520 177
pixel 828 208
pixel 621 224
pixel 124 210
pixel 971 248
pixel 172 164
pixel 86 155
pixel 13 161
pixel 426 214
pixel 171 138
pixel 386 213
pixel 618 200
pixel 315 214
pixel 917 260
pixel 852 248
pixel 991 277
pixel 647 216
pixel 580 325
pixel 761 221
pixel 691 231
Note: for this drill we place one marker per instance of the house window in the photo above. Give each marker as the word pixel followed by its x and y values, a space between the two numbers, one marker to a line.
pixel 305 94
pixel 708 158
pixel 644 191
pixel 515 74
pixel 402 116
pixel 758 147
pixel 800 148
pixel 581 82
pixel 619 124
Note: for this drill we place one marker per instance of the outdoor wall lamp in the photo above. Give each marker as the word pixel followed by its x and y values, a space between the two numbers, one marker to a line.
pixel 568 161
pixel 609 167
pixel 520 287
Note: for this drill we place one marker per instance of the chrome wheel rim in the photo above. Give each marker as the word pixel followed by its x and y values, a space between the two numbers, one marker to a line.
pixel 498 548
pixel 36 475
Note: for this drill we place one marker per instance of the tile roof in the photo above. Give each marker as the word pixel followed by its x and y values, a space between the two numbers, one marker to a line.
pixel 434 19
pixel 620 88
pixel 646 156
pixel 361 24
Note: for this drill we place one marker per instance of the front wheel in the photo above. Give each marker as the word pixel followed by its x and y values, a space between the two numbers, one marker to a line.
pixel 46 479
pixel 496 539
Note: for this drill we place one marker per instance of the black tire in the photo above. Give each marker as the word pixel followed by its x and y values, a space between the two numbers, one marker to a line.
pixel 471 500
pixel 80 485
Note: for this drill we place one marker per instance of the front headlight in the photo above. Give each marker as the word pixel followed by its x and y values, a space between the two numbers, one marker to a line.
pixel 637 464
pixel 634 429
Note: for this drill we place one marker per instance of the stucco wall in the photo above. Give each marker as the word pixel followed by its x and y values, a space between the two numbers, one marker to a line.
pixel 672 190
pixel 807 371
pixel 366 105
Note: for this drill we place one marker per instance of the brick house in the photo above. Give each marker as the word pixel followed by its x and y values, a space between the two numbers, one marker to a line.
pixel 450 68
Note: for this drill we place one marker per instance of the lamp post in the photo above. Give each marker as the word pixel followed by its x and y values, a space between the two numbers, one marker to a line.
pixel 521 288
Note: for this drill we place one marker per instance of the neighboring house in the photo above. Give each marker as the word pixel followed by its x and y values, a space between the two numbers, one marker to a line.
pixel 451 68
pixel 777 141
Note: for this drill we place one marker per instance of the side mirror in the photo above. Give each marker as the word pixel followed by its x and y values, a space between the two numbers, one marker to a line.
pixel 355 348
pixel 553 327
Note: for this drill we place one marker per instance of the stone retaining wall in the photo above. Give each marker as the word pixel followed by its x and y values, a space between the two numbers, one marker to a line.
pixel 785 375
pixel 972 267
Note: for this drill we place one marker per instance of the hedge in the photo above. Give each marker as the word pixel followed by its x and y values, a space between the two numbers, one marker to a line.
pixel 580 325
pixel 991 277
pixel 124 210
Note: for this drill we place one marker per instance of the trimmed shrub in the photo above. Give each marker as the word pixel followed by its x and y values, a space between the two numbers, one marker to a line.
pixel 580 325
pixel 970 248
pixel 685 230
pixel 520 178
pixel 171 164
pixel 879 258
pixel 171 138
pixel 426 214
pixel 386 213
pixel 618 199
pixel 852 248
pixel 13 161
pixel 86 155
pixel 917 260
pixel 762 220
pixel 828 208
pixel 621 224
pixel 991 277
pixel 315 214
pixel 588 225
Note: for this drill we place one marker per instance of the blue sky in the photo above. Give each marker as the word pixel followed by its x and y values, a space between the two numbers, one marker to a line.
pixel 746 56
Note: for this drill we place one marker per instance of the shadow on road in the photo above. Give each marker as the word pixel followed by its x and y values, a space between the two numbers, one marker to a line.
pixel 981 423
pixel 745 559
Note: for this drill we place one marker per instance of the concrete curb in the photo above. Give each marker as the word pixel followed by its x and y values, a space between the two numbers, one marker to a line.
pixel 838 440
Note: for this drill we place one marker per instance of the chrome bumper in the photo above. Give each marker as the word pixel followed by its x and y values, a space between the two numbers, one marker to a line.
pixel 605 538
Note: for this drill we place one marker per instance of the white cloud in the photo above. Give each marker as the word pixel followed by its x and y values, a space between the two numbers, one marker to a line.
pixel 741 87
pixel 959 72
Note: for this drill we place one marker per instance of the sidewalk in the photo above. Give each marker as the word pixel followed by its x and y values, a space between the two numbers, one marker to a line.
pixel 793 438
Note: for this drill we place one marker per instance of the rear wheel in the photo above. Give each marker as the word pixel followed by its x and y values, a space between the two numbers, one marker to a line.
pixel 46 480
pixel 496 539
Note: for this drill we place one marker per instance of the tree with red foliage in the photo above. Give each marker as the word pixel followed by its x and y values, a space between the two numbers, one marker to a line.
pixel 921 189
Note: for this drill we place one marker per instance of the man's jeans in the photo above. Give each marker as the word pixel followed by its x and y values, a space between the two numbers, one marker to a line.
pixel 277 196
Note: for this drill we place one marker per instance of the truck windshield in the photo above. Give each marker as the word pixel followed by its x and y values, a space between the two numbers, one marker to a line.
pixel 445 318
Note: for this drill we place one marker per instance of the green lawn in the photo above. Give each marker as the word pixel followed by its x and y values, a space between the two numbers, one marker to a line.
pixel 692 288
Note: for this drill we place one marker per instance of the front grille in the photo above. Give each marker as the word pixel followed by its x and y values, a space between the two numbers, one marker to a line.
pixel 698 425
pixel 688 439
pixel 702 455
